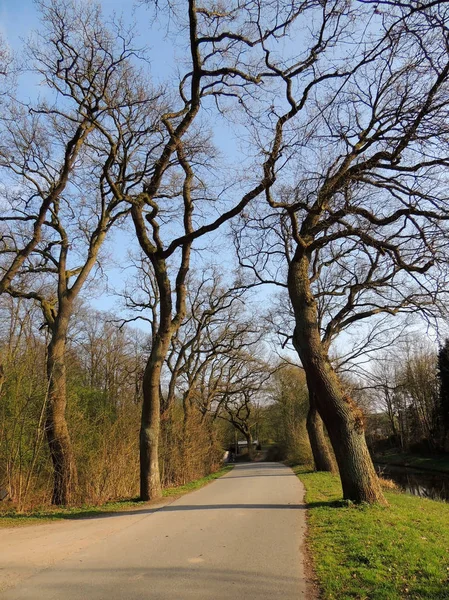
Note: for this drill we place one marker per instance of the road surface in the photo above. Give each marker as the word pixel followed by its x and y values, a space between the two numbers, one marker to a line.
pixel 238 538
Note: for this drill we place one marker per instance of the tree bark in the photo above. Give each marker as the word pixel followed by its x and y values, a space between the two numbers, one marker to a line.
pixel 249 443
pixel 186 457
pixel 64 466
pixel 322 455
pixel 150 480
pixel 2 377
pixel 342 417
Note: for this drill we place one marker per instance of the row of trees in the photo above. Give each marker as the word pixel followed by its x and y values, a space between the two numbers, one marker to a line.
pixel 339 194
pixel 103 392
pixel 405 392
pixel 209 382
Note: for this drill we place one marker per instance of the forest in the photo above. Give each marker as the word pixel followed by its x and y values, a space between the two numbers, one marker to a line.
pixel 230 223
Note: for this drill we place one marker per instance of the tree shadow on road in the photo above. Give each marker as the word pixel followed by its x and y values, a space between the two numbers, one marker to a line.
pixel 257 476
pixel 91 514
pixel 197 580
pixel 182 507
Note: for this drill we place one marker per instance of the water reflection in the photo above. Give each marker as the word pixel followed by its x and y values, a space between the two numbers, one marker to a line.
pixel 418 483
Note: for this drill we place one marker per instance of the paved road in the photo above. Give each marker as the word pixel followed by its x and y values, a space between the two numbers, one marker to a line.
pixel 238 538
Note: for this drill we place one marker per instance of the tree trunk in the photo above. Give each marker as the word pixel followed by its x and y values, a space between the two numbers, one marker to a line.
pixel 390 414
pixel 2 377
pixel 150 480
pixel 322 455
pixel 64 466
pixel 342 417
pixel 186 453
pixel 249 443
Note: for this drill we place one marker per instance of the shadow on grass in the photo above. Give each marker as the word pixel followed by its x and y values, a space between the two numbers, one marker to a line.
pixel 327 504
pixel 308 472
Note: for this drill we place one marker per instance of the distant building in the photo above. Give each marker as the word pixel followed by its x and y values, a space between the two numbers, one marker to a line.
pixel 242 445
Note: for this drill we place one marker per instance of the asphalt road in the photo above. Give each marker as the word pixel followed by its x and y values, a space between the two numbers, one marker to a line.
pixel 238 538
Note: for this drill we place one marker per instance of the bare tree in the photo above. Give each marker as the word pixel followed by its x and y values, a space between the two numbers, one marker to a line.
pixel 226 65
pixel 87 67
pixel 216 329
pixel 5 66
pixel 216 325
pixel 372 207
pixel 111 355
pixel 243 388
pixel 385 383
pixel 35 172
pixel 361 341
pixel 404 383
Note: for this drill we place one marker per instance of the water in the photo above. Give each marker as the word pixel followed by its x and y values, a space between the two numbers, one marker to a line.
pixel 419 483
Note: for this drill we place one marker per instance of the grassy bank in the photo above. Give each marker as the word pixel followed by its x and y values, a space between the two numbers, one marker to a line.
pixel 374 553
pixel 427 463
pixel 12 518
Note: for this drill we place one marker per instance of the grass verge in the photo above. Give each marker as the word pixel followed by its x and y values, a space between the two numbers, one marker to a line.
pixel 376 553
pixel 12 518
pixel 426 463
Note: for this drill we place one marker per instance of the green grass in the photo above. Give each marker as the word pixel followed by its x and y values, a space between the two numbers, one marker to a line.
pixel 376 553
pixel 12 518
pixel 432 463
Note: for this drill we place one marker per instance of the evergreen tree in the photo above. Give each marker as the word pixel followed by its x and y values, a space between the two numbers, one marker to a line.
pixel 443 373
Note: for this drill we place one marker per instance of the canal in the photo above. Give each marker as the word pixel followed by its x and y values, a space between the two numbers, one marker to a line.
pixel 425 484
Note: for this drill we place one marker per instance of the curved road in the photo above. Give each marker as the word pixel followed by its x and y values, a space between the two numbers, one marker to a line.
pixel 239 537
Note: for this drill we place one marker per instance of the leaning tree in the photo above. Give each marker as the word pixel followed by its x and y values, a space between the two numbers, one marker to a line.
pixel 352 333
pixel 365 195
pixel 186 192
pixel 353 118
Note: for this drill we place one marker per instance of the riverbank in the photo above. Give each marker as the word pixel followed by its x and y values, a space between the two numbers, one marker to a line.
pixel 12 518
pixel 376 553
pixel 436 464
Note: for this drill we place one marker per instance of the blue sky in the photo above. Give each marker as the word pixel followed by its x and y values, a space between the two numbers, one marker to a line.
pixel 18 19
pixel 17 22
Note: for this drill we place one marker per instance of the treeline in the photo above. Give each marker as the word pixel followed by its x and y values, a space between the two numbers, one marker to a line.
pixel 335 192
pixel 406 398
pixel 103 398
pixel 209 398
pixel 104 390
